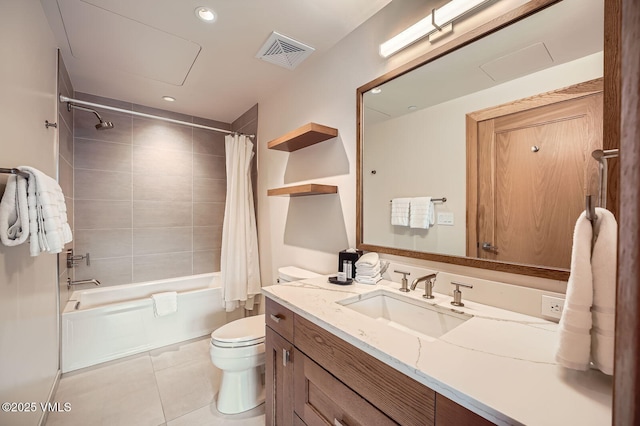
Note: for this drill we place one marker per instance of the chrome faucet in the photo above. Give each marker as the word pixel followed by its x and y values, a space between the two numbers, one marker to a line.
pixel 403 282
pixel 80 282
pixel 457 294
pixel 429 281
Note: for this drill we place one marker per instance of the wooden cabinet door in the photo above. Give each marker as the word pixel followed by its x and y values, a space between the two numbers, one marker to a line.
pixel 448 413
pixel 321 399
pixel 279 380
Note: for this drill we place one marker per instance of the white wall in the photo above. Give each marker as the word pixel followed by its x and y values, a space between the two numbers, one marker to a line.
pixel 413 153
pixel 309 231
pixel 28 292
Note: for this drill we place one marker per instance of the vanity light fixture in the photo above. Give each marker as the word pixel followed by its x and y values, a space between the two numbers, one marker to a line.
pixel 169 98
pixel 376 90
pixel 444 16
pixel 205 14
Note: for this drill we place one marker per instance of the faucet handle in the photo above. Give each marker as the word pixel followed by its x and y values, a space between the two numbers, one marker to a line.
pixel 457 294
pixel 404 282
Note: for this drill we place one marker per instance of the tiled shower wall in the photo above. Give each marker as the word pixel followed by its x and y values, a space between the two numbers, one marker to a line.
pixel 65 170
pixel 149 195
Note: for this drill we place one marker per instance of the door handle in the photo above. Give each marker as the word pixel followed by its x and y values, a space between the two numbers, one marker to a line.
pixel 488 247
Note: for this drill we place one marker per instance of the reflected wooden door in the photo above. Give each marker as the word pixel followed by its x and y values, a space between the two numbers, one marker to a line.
pixel 534 170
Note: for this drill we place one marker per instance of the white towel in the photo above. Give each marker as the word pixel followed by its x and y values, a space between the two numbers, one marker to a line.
pixel 14 215
pixel 574 344
pixel 370 259
pixel 400 211
pixel 421 213
pixel 603 266
pixel 368 280
pixel 165 303
pixel 47 211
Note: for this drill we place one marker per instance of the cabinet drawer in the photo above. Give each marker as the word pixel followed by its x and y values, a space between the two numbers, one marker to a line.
pixel 321 399
pixel 401 398
pixel 280 319
pixel 448 413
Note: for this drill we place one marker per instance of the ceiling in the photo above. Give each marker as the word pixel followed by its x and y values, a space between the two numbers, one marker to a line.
pixel 140 50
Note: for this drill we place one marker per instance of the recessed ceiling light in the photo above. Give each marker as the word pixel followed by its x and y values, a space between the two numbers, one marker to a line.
pixel 169 98
pixel 376 90
pixel 205 14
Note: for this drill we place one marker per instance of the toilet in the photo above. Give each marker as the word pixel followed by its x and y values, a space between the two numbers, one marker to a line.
pixel 237 348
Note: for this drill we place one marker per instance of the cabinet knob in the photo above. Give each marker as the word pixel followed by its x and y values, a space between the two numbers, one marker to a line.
pixel 337 422
pixel 275 318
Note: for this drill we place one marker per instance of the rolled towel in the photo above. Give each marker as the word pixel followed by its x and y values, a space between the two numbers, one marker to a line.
pixel 574 339
pixel 400 211
pixel 370 259
pixel 165 303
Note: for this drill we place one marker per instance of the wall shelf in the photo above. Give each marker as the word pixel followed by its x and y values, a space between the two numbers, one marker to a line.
pixel 302 137
pixel 301 190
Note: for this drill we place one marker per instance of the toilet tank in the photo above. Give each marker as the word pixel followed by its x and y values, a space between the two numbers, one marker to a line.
pixel 293 273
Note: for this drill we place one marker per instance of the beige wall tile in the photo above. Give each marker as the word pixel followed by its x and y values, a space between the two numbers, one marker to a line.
pixel 208 214
pixel 65 177
pixel 98 155
pixel 162 187
pixel 209 190
pixel 162 113
pixel 162 161
pixel 162 240
pixel 92 214
pixel 70 212
pixel 104 101
pixel 101 185
pixel 101 243
pixel 208 142
pixel 209 166
pixel 207 237
pixel 155 214
pixel 65 137
pixel 161 266
pixel 206 261
pixel 111 271
pixel 161 135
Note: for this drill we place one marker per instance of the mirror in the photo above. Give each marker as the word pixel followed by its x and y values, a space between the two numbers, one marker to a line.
pixel 503 128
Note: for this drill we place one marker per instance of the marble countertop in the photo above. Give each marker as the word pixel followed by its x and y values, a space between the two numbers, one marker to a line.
pixel 498 364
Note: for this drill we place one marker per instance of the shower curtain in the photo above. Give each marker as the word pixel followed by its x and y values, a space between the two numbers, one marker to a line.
pixel 239 264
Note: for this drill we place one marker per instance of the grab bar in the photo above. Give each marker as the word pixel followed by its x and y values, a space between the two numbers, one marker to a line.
pixel 80 282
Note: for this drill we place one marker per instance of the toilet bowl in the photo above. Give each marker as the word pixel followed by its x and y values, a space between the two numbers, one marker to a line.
pixel 237 348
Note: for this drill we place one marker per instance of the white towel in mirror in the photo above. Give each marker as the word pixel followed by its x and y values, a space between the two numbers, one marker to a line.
pixel 421 213
pixel 400 211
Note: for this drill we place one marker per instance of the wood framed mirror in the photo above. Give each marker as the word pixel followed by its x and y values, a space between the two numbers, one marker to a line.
pixel 505 80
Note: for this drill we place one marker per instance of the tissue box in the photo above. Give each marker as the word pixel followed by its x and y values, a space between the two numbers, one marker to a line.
pixel 351 257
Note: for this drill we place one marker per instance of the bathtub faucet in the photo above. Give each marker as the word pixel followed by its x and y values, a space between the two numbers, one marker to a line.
pixel 79 282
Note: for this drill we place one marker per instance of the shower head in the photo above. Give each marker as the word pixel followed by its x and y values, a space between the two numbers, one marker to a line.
pixel 102 125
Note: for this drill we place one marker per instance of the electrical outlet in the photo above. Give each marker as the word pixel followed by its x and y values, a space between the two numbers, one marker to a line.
pixel 552 307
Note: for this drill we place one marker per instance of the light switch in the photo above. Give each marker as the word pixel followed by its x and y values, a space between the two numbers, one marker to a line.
pixel 445 218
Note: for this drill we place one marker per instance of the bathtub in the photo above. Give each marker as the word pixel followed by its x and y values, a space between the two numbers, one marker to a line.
pixel 104 324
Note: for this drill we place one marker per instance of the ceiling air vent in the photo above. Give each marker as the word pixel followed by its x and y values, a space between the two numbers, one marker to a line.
pixel 284 51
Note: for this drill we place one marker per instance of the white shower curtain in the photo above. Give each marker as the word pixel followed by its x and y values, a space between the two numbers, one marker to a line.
pixel 239 264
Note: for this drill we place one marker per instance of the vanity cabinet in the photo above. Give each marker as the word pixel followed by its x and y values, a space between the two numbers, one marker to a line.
pixel 315 378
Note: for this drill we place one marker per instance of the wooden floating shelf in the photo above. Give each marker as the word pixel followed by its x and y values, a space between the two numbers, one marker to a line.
pixel 301 190
pixel 302 137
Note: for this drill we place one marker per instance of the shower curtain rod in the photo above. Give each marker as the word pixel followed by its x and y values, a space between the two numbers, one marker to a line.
pixel 64 99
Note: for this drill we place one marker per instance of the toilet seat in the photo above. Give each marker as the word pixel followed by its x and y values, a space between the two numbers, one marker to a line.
pixel 244 332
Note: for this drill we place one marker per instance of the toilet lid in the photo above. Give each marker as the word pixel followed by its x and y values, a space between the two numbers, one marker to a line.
pixel 248 331
pixel 293 273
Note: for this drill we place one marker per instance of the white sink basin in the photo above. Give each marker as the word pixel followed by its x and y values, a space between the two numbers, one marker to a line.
pixel 413 316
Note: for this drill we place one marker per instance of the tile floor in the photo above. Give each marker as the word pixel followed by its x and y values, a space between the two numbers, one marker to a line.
pixel 173 386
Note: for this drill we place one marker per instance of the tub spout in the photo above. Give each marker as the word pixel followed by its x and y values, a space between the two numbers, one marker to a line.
pixel 79 282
